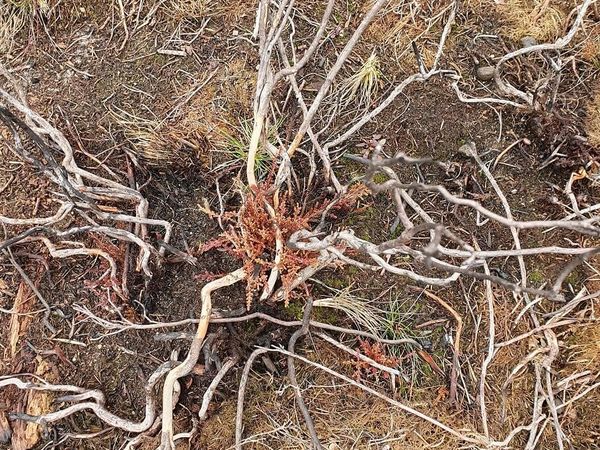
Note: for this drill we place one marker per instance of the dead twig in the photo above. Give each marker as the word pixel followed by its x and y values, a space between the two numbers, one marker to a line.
pixel 292 374
pixel 239 416
pixel 456 345
pixel 210 391
pixel 129 326
pixel 33 287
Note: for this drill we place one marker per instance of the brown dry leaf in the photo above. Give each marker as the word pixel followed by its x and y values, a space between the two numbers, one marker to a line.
pixel 37 403
pixel 429 360
pixel 3 284
pixel 442 395
pixel 18 323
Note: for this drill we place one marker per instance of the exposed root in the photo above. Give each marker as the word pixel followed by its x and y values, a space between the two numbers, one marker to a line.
pixel 97 407
pixel 183 369
pixel 85 192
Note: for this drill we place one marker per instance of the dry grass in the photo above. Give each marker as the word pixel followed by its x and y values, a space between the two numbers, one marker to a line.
pixel 404 22
pixel 12 20
pixel 163 144
pixel 199 125
pixel 232 11
pixel 188 9
pixel 218 432
pixel 146 138
pixel 345 417
pixel 584 349
pixel 237 87
pixel 510 407
pixel 590 48
pixel 539 19
pixel 583 354
pixel 592 123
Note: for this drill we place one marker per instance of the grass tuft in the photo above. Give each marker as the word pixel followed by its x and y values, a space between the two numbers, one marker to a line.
pixel 536 18
pixel 14 16
pixel 31 5
pixel 235 147
pixel 362 85
pixel 145 136
pixel 362 312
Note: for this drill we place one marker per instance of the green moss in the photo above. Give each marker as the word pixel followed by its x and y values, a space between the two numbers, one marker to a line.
pixel 380 178
pixel 397 232
pixel 362 223
pixel 462 141
pixel 296 310
pixel 536 277
pixel 574 278
pixel 352 270
pixel 427 370
pixel 364 215
pixel 437 336
pixel 335 282
pixel 155 60
pixel 364 234
pixel 325 315
pixel 403 390
pixel 351 171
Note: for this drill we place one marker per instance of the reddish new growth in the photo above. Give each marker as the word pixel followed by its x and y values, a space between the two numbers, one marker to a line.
pixel 378 354
pixel 252 234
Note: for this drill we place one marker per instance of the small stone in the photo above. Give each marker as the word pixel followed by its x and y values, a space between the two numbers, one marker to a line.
pixel 528 41
pixel 485 73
